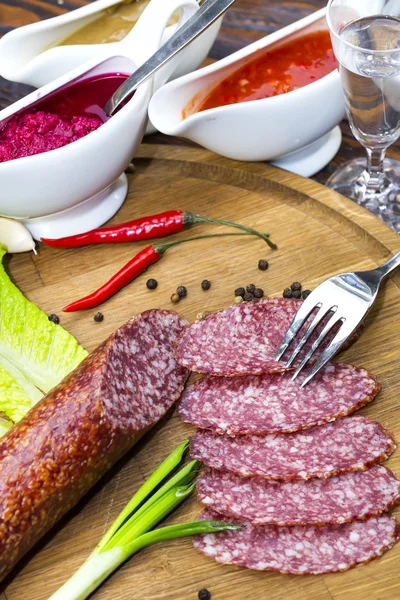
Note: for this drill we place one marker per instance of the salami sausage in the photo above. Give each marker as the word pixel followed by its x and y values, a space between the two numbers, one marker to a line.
pixel 348 444
pixel 275 403
pixel 339 499
pixel 67 441
pixel 240 340
pixel 300 550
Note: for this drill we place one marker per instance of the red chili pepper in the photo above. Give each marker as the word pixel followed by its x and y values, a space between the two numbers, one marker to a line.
pixel 137 265
pixel 146 228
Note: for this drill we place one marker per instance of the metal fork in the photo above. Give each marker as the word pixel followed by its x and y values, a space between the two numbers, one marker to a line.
pixel 346 298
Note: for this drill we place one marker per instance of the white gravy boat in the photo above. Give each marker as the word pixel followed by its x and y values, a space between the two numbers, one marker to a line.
pixel 30 54
pixel 268 129
pixel 77 187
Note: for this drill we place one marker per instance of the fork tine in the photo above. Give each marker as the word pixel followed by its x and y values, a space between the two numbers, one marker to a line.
pixel 297 322
pixel 328 326
pixel 323 311
pixel 329 352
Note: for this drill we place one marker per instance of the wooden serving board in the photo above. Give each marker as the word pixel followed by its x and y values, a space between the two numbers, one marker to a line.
pixel 319 233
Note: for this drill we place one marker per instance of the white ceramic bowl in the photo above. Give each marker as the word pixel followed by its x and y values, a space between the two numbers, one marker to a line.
pixel 30 55
pixel 80 186
pixel 256 130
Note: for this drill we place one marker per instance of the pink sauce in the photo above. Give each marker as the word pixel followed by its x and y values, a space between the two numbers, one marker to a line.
pixel 64 117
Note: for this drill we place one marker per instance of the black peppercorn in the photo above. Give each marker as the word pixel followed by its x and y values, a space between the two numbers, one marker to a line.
pixel 240 292
pixel 305 294
pixel 263 264
pixel 296 294
pixel 250 288
pixel 152 284
pixel 204 594
pixel 181 291
pixel 258 293
pixel 54 319
pixel 296 286
pixel 205 285
pixel 98 317
pixel 287 293
pixel 248 296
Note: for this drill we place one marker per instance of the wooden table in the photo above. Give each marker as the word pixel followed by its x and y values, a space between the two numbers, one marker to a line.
pixel 246 22
pixel 319 234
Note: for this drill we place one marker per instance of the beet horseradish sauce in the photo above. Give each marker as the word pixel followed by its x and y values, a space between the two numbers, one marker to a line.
pixel 61 118
pixel 288 67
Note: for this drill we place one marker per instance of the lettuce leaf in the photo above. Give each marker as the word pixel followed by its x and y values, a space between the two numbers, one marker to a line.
pixel 5 425
pixel 35 354
pixel 17 394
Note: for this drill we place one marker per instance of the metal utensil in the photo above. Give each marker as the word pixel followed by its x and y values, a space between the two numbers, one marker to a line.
pixel 209 12
pixel 346 299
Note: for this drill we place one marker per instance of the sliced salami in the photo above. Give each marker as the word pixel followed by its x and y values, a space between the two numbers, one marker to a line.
pixel 348 444
pixel 300 550
pixel 275 403
pixel 339 499
pixel 240 340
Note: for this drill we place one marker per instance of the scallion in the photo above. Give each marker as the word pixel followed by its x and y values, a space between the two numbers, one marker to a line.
pixel 162 471
pixel 132 529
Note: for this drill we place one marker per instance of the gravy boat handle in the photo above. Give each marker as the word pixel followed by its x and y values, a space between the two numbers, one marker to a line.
pixel 27 51
pixel 146 36
pixel 45 66
pixel 209 12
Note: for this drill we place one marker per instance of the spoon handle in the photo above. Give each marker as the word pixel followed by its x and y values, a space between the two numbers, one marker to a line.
pixel 209 12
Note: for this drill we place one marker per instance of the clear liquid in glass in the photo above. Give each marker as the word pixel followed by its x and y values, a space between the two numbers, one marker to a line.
pixel 371 81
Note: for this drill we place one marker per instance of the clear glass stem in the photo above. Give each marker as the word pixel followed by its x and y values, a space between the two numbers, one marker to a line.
pixel 376 176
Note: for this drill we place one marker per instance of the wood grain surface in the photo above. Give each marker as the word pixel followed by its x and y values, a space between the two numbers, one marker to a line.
pixel 319 233
pixel 245 22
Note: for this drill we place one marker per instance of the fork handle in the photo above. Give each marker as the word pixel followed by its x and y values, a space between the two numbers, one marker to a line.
pixel 389 266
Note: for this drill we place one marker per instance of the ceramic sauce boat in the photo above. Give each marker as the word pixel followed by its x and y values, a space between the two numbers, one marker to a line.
pixel 297 130
pixel 30 54
pixel 79 186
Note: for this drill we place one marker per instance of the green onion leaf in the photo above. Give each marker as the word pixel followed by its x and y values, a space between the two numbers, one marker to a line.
pixel 179 482
pixel 151 517
pixel 162 471
pixel 181 530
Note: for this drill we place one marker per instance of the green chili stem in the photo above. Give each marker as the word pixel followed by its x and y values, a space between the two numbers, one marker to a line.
pixel 162 471
pixel 192 218
pixel 161 248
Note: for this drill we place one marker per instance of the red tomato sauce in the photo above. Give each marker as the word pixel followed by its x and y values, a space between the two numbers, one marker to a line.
pixel 284 69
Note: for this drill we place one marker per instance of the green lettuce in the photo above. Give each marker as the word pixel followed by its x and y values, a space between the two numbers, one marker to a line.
pixel 35 354
pixel 17 394
pixel 5 425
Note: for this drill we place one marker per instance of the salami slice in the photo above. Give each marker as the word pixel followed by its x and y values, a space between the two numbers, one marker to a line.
pixel 300 550
pixel 240 340
pixel 275 403
pixel 67 441
pixel 348 444
pixel 339 499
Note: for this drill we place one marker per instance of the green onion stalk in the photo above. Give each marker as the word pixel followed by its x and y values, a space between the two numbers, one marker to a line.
pixel 133 529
